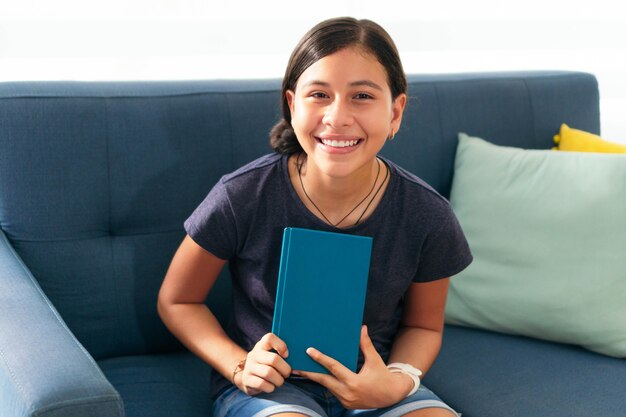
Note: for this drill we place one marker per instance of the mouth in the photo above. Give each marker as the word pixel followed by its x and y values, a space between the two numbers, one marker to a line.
pixel 339 143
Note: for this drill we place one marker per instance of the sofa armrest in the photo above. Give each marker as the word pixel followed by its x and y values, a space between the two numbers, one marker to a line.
pixel 44 370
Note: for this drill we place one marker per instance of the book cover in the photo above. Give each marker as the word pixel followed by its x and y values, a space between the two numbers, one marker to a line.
pixel 320 296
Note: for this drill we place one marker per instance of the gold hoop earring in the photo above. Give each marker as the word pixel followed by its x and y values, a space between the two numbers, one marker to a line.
pixel 393 135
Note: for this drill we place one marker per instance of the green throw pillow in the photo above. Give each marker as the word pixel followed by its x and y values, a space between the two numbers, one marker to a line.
pixel 548 234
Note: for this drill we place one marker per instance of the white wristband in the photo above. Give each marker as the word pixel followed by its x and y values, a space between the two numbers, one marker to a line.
pixel 405 368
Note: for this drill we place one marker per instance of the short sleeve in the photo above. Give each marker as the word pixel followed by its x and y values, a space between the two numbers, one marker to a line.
pixel 445 251
pixel 212 224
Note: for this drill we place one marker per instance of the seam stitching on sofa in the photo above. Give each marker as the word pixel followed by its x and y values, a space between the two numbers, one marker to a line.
pixel 111 236
pixel 20 387
pixel 232 153
pixel 99 399
pixel 50 307
pixel 100 236
pixel 230 130
pixel 513 76
pixel 441 138
pixel 6 242
pixel 129 96
pixel 597 99
pixel 532 112
pixel 108 161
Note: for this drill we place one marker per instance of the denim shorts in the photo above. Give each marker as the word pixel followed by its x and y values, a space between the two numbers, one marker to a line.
pixel 309 398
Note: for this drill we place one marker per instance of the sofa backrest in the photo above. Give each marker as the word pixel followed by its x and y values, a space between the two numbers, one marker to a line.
pixel 96 179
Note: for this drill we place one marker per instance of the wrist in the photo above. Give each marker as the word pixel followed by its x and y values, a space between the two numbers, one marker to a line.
pixel 238 372
pixel 402 385
pixel 408 370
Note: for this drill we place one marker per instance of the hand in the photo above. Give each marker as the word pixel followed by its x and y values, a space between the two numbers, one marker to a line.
pixel 373 387
pixel 264 370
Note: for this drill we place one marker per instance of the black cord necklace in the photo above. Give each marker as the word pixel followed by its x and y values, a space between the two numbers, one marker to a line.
pixel 375 194
pixel 299 168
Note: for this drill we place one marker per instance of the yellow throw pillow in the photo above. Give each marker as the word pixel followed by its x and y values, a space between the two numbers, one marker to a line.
pixel 576 140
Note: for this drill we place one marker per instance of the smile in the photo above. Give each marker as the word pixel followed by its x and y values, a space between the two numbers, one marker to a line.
pixel 339 143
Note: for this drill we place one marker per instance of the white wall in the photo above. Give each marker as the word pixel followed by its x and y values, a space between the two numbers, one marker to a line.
pixel 194 39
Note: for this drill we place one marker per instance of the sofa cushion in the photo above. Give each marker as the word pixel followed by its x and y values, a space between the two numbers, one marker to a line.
pixel 486 374
pixel 576 140
pixel 96 178
pixel 548 232
pixel 94 191
pixel 167 385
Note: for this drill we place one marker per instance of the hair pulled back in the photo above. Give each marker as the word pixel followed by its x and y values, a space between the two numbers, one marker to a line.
pixel 322 40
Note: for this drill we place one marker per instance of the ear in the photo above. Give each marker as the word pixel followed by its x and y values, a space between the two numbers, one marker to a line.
pixel 397 110
pixel 290 96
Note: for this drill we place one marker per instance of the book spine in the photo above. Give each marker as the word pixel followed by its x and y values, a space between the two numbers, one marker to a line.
pixel 280 288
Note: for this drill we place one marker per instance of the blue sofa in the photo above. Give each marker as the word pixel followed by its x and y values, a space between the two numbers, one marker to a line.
pixel 96 180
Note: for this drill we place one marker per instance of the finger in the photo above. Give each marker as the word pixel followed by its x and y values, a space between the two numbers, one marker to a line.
pixel 274 361
pixel 266 373
pixel 255 385
pixel 334 366
pixel 327 381
pixel 271 341
pixel 367 347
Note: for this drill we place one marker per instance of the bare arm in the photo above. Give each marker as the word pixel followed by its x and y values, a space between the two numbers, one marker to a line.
pixel 190 277
pixel 419 339
pixel 188 281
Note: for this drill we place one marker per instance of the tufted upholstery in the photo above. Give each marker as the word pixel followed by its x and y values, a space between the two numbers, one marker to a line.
pixel 97 178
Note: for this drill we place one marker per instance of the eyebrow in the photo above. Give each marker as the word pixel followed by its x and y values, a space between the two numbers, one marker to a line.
pixel 366 83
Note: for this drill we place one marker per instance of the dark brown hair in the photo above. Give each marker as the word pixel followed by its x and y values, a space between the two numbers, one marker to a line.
pixel 322 40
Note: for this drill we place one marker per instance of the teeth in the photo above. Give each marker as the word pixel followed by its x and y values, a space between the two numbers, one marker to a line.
pixel 339 143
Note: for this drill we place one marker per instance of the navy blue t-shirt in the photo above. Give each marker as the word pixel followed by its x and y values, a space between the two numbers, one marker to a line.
pixel 417 238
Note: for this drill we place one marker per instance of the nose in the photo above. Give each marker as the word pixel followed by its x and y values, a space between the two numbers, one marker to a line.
pixel 338 114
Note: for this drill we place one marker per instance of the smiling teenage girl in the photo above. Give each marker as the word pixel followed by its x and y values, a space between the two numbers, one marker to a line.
pixel 343 96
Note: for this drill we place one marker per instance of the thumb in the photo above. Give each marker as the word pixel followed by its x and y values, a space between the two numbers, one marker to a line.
pixel 272 343
pixel 367 347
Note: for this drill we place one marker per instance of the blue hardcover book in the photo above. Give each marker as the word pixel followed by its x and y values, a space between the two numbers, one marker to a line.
pixel 320 297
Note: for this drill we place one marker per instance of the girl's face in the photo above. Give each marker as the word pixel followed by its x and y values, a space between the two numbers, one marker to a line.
pixel 342 112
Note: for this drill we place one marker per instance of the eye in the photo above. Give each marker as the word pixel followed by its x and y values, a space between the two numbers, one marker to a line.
pixel 363 96
pixel 318 94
